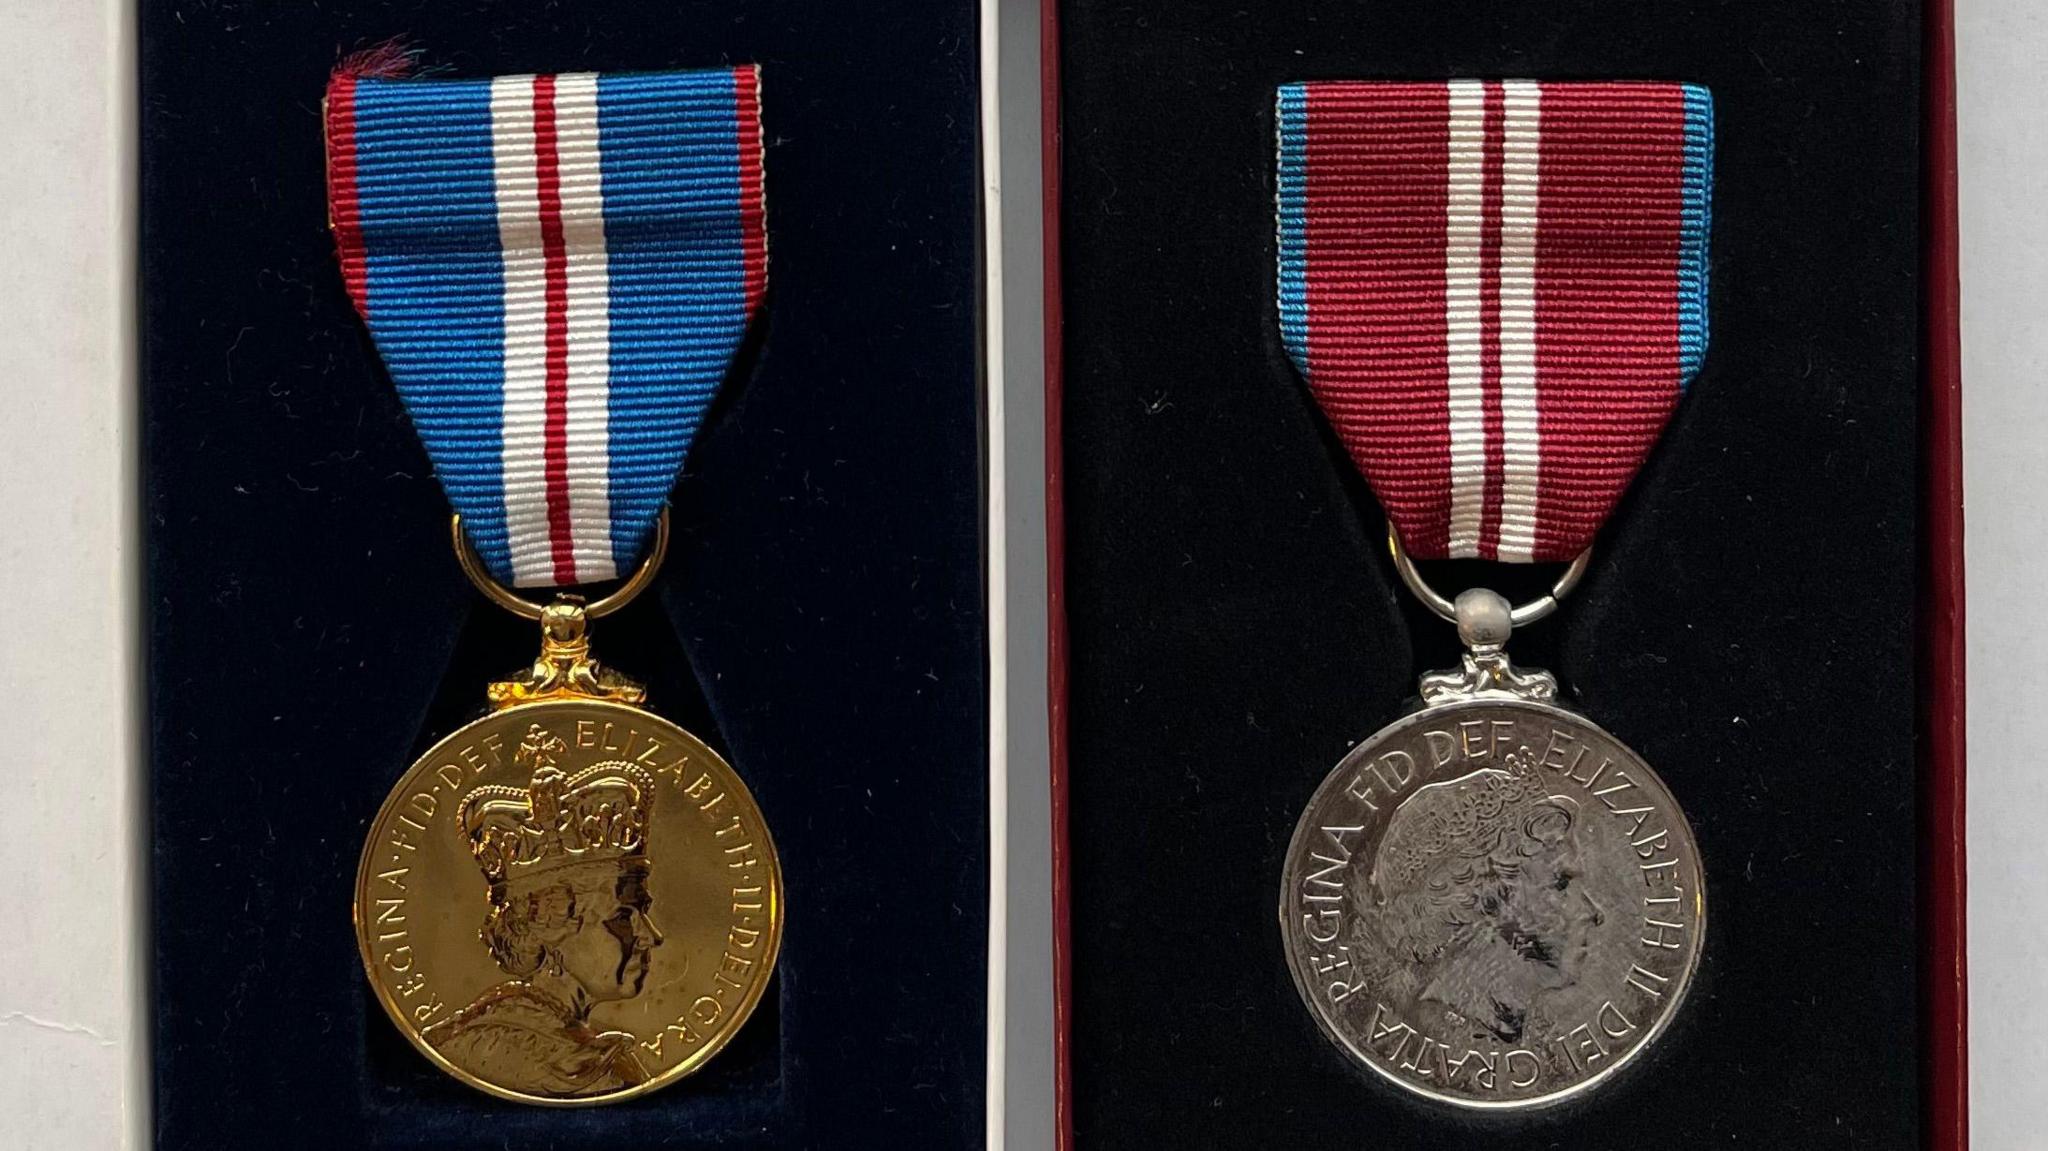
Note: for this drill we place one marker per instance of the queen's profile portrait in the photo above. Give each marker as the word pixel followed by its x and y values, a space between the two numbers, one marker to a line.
pixel 567 919
pixel 1476 890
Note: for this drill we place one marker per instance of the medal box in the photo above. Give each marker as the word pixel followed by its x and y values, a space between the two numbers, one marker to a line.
pixel 818 621
pixel 1770 616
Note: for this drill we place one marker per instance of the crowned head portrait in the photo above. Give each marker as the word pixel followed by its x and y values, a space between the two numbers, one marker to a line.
pixel 1476 892
pixel 567 918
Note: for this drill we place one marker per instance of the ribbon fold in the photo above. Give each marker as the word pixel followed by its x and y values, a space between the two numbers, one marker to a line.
pixel 1497 292
pixel 557 271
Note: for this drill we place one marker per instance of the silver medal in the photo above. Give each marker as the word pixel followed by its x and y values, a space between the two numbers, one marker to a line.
pixel 1492 902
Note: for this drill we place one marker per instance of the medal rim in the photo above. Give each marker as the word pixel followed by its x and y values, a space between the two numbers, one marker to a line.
pixel 1657 1027
pixel 689 1065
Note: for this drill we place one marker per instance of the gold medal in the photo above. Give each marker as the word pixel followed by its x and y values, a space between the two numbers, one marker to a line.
pixel 570 900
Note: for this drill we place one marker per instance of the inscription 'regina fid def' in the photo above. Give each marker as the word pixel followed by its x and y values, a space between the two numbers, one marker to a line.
pixel 1492 902
pixel 569 901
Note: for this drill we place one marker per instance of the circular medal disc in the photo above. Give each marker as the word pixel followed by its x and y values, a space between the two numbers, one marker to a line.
pixel 569 902
pixel 1492 903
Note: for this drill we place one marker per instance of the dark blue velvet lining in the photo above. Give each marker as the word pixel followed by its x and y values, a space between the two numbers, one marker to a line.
pixel 819 618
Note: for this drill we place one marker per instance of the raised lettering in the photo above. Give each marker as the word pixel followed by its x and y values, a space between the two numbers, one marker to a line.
pixel 1651 870
pixel 1646 981
pixel 1396 769
pixel 1657 933
pixel 1612 1021
pixel 1484 1073
pixel 1554 753
pixel 1474 739
pixel 1503 736
pixel 1361 788
pixel 1331 960
pixel 1587 781
pixel 1336 836
pixel 1587 1045
pixel 1330 917
pixel 1376 1031
pixel 1442 749
pixel 1329 865
pixel 1612 789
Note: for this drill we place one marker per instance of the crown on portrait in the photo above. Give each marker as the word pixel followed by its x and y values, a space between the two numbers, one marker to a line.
pixel 1463 818
pixel 597 815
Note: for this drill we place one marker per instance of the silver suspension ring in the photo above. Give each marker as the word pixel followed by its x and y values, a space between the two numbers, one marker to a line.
pixel 1520 616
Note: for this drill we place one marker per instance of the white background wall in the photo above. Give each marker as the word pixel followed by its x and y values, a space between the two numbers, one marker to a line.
pixel 1028 1048
pixel 2003 141
pixel 72 1035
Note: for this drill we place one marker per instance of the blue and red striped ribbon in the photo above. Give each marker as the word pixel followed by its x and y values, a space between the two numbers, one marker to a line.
pixel 557 270
pixel 1497 291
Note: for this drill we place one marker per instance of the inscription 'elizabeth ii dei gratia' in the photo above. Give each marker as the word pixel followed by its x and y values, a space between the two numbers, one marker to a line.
pixel 569 902
pixel 1493 903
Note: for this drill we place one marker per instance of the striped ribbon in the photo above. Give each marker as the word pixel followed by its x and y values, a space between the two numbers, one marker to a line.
pixel 557 270
pixel 1497 291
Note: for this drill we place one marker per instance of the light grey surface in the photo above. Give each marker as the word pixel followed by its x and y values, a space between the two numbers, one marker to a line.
pixel 73 1030
pixel 1028 1121
pixel 2003 141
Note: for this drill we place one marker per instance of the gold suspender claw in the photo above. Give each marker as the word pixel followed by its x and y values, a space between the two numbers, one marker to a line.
pixel 570 900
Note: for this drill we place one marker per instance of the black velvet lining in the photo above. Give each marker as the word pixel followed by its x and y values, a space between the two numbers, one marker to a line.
pixel 819 618
pixel 1235 625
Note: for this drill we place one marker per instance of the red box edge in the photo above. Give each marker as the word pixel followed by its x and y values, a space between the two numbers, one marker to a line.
pixel 1055 575
pixel 1944 961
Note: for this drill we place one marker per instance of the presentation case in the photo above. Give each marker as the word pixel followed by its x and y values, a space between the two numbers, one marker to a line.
pixel 819 620
pixel 1773 616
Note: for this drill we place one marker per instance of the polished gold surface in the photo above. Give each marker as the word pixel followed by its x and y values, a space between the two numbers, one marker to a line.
pixel 571 900
pixel 565 669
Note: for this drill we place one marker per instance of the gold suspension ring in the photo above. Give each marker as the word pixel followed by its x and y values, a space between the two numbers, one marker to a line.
pixel 1523 614
pixel 504 597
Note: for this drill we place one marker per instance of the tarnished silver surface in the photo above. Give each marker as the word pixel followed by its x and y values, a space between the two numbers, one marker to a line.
pixel 1492 902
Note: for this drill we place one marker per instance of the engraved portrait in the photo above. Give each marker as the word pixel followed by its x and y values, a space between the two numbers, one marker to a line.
pixel 1476 890
pixel 1472 921
pixel 567 918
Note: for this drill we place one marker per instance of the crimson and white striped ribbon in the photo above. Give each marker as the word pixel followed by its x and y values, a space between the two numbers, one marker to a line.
pixel 1497 293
